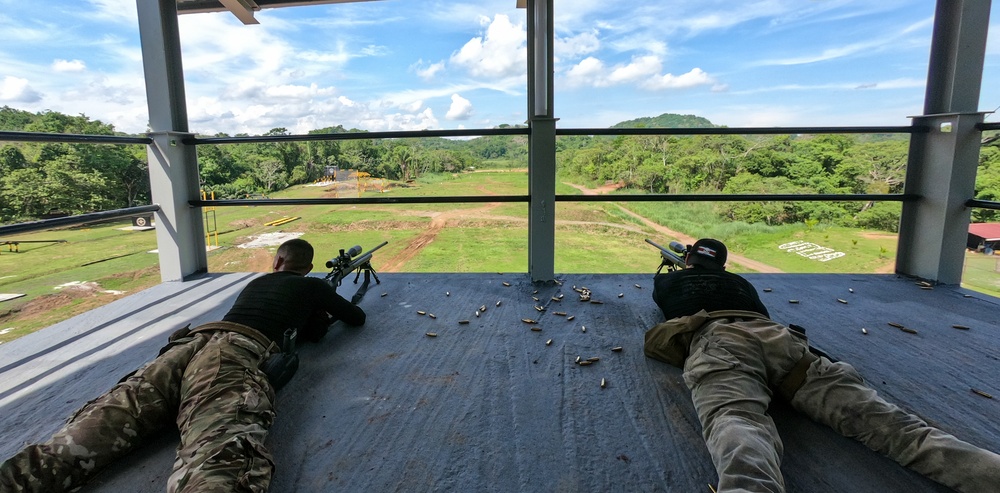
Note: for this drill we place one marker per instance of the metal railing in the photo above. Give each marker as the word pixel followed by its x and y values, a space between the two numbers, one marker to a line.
pixel 44 224
pixel 72 138
pixel 114 139
pixel 562 198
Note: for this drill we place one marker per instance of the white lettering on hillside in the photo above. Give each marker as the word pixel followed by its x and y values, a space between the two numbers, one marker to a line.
pixel 811 251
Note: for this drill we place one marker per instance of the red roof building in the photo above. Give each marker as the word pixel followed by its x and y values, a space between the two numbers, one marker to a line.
pixel 983 236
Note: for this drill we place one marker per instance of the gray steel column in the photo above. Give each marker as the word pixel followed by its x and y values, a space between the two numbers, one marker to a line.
pixel 173 165
pixel 942 163
pixel 542 146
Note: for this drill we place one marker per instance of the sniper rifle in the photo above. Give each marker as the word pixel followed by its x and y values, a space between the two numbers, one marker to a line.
pixel 673 258
pixel 350 261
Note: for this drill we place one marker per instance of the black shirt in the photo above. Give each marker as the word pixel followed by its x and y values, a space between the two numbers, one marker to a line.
pixel 278 301
pixel 688 291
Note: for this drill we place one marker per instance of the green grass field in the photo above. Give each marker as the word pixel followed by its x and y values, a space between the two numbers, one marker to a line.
pixel 590 237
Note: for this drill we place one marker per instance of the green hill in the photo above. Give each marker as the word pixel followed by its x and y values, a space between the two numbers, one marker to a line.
pixel 667 120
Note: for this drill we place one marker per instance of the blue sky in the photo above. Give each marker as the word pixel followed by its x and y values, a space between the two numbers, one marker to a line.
pixel 410 65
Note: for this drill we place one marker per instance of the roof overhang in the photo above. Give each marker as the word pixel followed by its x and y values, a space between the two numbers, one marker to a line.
pixel 244 9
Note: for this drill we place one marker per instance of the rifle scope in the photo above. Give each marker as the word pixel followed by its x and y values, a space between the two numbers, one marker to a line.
pixel 353 252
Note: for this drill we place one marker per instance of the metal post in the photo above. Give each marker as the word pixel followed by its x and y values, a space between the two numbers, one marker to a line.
pixel 542 147
pixel 942 163
pixel 173 165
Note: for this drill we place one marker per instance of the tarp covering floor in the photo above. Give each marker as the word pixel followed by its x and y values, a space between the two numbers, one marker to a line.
pixel 489 406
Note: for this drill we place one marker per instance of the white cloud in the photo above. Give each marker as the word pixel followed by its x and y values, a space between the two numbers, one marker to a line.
pixel 576 46
pixel 17 90
pixel 429 71
pixel 68 65
pixel 696 77
pixel 585 73
pixel 501 52
pixel 412 107
pixel 642 71
pixel 401 121
pixel 461 108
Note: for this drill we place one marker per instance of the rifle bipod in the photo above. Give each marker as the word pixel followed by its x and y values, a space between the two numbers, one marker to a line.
pixel 369 273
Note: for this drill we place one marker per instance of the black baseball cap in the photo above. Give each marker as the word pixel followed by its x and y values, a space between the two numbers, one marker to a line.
pixel 708 253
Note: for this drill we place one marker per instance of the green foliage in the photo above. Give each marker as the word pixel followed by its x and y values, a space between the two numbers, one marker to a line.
pixel 795 164
pixel 666 120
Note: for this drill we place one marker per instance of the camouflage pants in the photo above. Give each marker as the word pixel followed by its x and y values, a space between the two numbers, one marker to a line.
pixel 208 383
pixel 734 364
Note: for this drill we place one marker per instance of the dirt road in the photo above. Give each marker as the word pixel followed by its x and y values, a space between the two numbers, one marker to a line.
pixel 671 235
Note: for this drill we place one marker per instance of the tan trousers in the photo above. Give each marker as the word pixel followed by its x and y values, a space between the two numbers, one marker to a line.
pixel 208 384
pixel 732 367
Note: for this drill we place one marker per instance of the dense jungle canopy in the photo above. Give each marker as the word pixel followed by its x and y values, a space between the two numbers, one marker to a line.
pixel 38 179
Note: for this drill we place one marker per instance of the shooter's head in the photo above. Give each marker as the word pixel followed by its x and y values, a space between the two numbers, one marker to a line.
pixel 707 253
pixel 294 255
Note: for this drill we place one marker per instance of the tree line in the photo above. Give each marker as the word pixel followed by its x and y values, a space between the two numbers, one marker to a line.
pixel 37 179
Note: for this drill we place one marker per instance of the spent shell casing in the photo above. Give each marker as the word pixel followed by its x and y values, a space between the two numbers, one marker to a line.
pixel 850 290
pixel 477 313
pixel 583 328
pixel 593 359
pixel 539 308
pixel 432 334
pixel 980 392
pixel 561 314
pixel 585 363
pixel 556 298
pixel 571 317
pixel 421 312
pixel 767 290
pixel 482 308
pixel 463 322
pixel 432 315
pixel 505 283
pixel 924 284
pixel 926 288
pixel 536 329
pixel 604 383
pixel 498 302
pixel 548 342
pixel 529 321
pixel 535 298
pixel 617 349
pixel 793 301
pixel 534 292
pixel 896 325
pixel 560 296
pixel 384 294
pixel 907 330
pixel 596 302
pixel 841 300
pixel 621 294
pixel 864 331
pixel 577 359
pixel 638 286
pixel 960 327
pixel 447 293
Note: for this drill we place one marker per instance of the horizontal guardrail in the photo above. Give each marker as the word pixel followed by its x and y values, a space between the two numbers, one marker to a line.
pixel 44 224
pixel 409 134
pixel 983 204
pixel 562 198
pixel 745 130
pixel 72 138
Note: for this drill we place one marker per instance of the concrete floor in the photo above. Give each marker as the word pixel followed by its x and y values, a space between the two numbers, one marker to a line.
pixel 488 406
